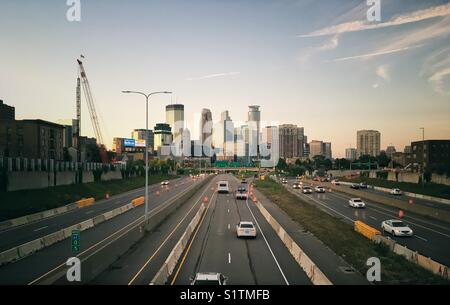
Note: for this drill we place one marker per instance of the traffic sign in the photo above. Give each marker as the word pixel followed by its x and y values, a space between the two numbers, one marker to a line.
pixel 75 241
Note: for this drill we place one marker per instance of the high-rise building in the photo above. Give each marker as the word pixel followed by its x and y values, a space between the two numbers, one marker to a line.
pixel 408 149
pixel 291 141
pixel 175 119
pixel 146 135
pixel 223 137
pixel 316 148
pixel 350 154
pixel 368 143
pixel 205 137
pixel 162 135
pixel 326 150
pixel 7 112
pixel 254 123
pixel 390 150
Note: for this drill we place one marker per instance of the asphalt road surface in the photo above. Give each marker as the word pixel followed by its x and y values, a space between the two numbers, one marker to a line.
pixel 16 236
pixel 38 267
pixel 431 237
pixel 216 248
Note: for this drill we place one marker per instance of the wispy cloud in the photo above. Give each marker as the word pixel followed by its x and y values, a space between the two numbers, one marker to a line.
pixel 437 69
pixel 355 26
pixel 383 72
pixel 373 54
pixel 331 44
pixel 213 76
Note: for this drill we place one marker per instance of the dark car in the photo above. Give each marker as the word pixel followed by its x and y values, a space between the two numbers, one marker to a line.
pixel 355 186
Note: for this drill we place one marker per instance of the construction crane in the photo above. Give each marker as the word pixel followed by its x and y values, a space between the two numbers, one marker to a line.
pixel 83 80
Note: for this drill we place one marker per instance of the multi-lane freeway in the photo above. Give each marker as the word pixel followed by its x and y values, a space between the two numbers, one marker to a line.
pixel 431 237
pixel 213 246
pixel 48 262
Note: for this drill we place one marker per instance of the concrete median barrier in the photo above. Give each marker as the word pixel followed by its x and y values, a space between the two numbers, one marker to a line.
pixel 313 272
pixel 9 256
pixel 101 257
pixel 414 257
pixel 27 219
pixel 164 273
pixel 53 238
pixel 30 247
pixel 99 219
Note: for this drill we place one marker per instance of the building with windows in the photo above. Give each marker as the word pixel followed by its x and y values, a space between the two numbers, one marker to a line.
pixel 162 135
pixel 291 141
pixel 431 154
pixel 350 154
pixel 175 119
pixel 368 143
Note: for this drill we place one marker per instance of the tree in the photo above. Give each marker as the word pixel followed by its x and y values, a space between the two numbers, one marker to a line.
pixel 282 165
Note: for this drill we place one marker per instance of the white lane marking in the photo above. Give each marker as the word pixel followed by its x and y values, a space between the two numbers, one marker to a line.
pixel 324 205
pixel 421 238
pixel 228 226
pixel 376 207
pixel 40 229
pixel 268 246
pixel 228 210
pixel 373 217
pixel 89 212
pixel 229 258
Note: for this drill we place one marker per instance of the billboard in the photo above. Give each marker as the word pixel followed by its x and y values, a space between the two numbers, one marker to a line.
pixel 140 143
pixel 129 142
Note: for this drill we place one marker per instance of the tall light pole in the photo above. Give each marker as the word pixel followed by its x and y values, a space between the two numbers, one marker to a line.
pixel 147 96
pixel 423 156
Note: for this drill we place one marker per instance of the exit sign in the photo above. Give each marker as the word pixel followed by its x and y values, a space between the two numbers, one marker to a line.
pixel 75 241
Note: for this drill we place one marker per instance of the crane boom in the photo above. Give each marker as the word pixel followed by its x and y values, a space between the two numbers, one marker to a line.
pixel 90 104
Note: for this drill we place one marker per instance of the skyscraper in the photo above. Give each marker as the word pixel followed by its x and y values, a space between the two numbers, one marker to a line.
pixel 350 154
pixel 162 135
pixel 175 119
pixel 205 137
pixel 327 152
pixel 223 136
pixel 368 143
pixel 291 141
pixel 316 148
pixel 254 122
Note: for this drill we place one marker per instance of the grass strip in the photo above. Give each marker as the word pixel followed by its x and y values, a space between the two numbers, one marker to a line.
pixel 21 203
pixel 339 236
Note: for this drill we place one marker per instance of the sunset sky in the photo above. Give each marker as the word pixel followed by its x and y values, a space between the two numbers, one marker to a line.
pixel 318 64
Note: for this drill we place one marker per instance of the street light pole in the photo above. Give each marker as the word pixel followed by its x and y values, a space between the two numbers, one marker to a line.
pixel 147 97
pixel 423 156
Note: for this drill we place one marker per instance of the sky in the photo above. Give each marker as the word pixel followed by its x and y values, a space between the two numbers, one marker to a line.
pixel 318 64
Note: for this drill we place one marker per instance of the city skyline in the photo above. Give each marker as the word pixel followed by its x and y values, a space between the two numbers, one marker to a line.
pixel 311 71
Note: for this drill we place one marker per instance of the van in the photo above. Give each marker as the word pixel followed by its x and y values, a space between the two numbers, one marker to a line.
pixel 223 187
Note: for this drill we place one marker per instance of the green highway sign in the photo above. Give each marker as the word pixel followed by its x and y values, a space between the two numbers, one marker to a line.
pixel 75 241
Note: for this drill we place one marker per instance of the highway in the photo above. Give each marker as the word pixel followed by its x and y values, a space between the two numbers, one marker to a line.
pixel 215 248
pixel 431 237
pixel 417 201
pixel 140 264
pixel 49 262
pixel 15 236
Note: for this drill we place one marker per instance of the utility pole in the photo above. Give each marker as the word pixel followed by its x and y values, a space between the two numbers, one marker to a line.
pixel 423 156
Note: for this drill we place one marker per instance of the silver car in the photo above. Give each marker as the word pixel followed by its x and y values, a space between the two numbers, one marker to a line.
pixel 396 228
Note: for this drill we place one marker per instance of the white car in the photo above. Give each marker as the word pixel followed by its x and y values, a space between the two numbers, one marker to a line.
pixel 356 203
pixel 165 182
pixel 209 278
pixel 320 189
pixel 396 192
pixel 223 187
pixel 396 228
pixel 246 229
pixel 241 193
pixel 335 182
pixel 307 190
